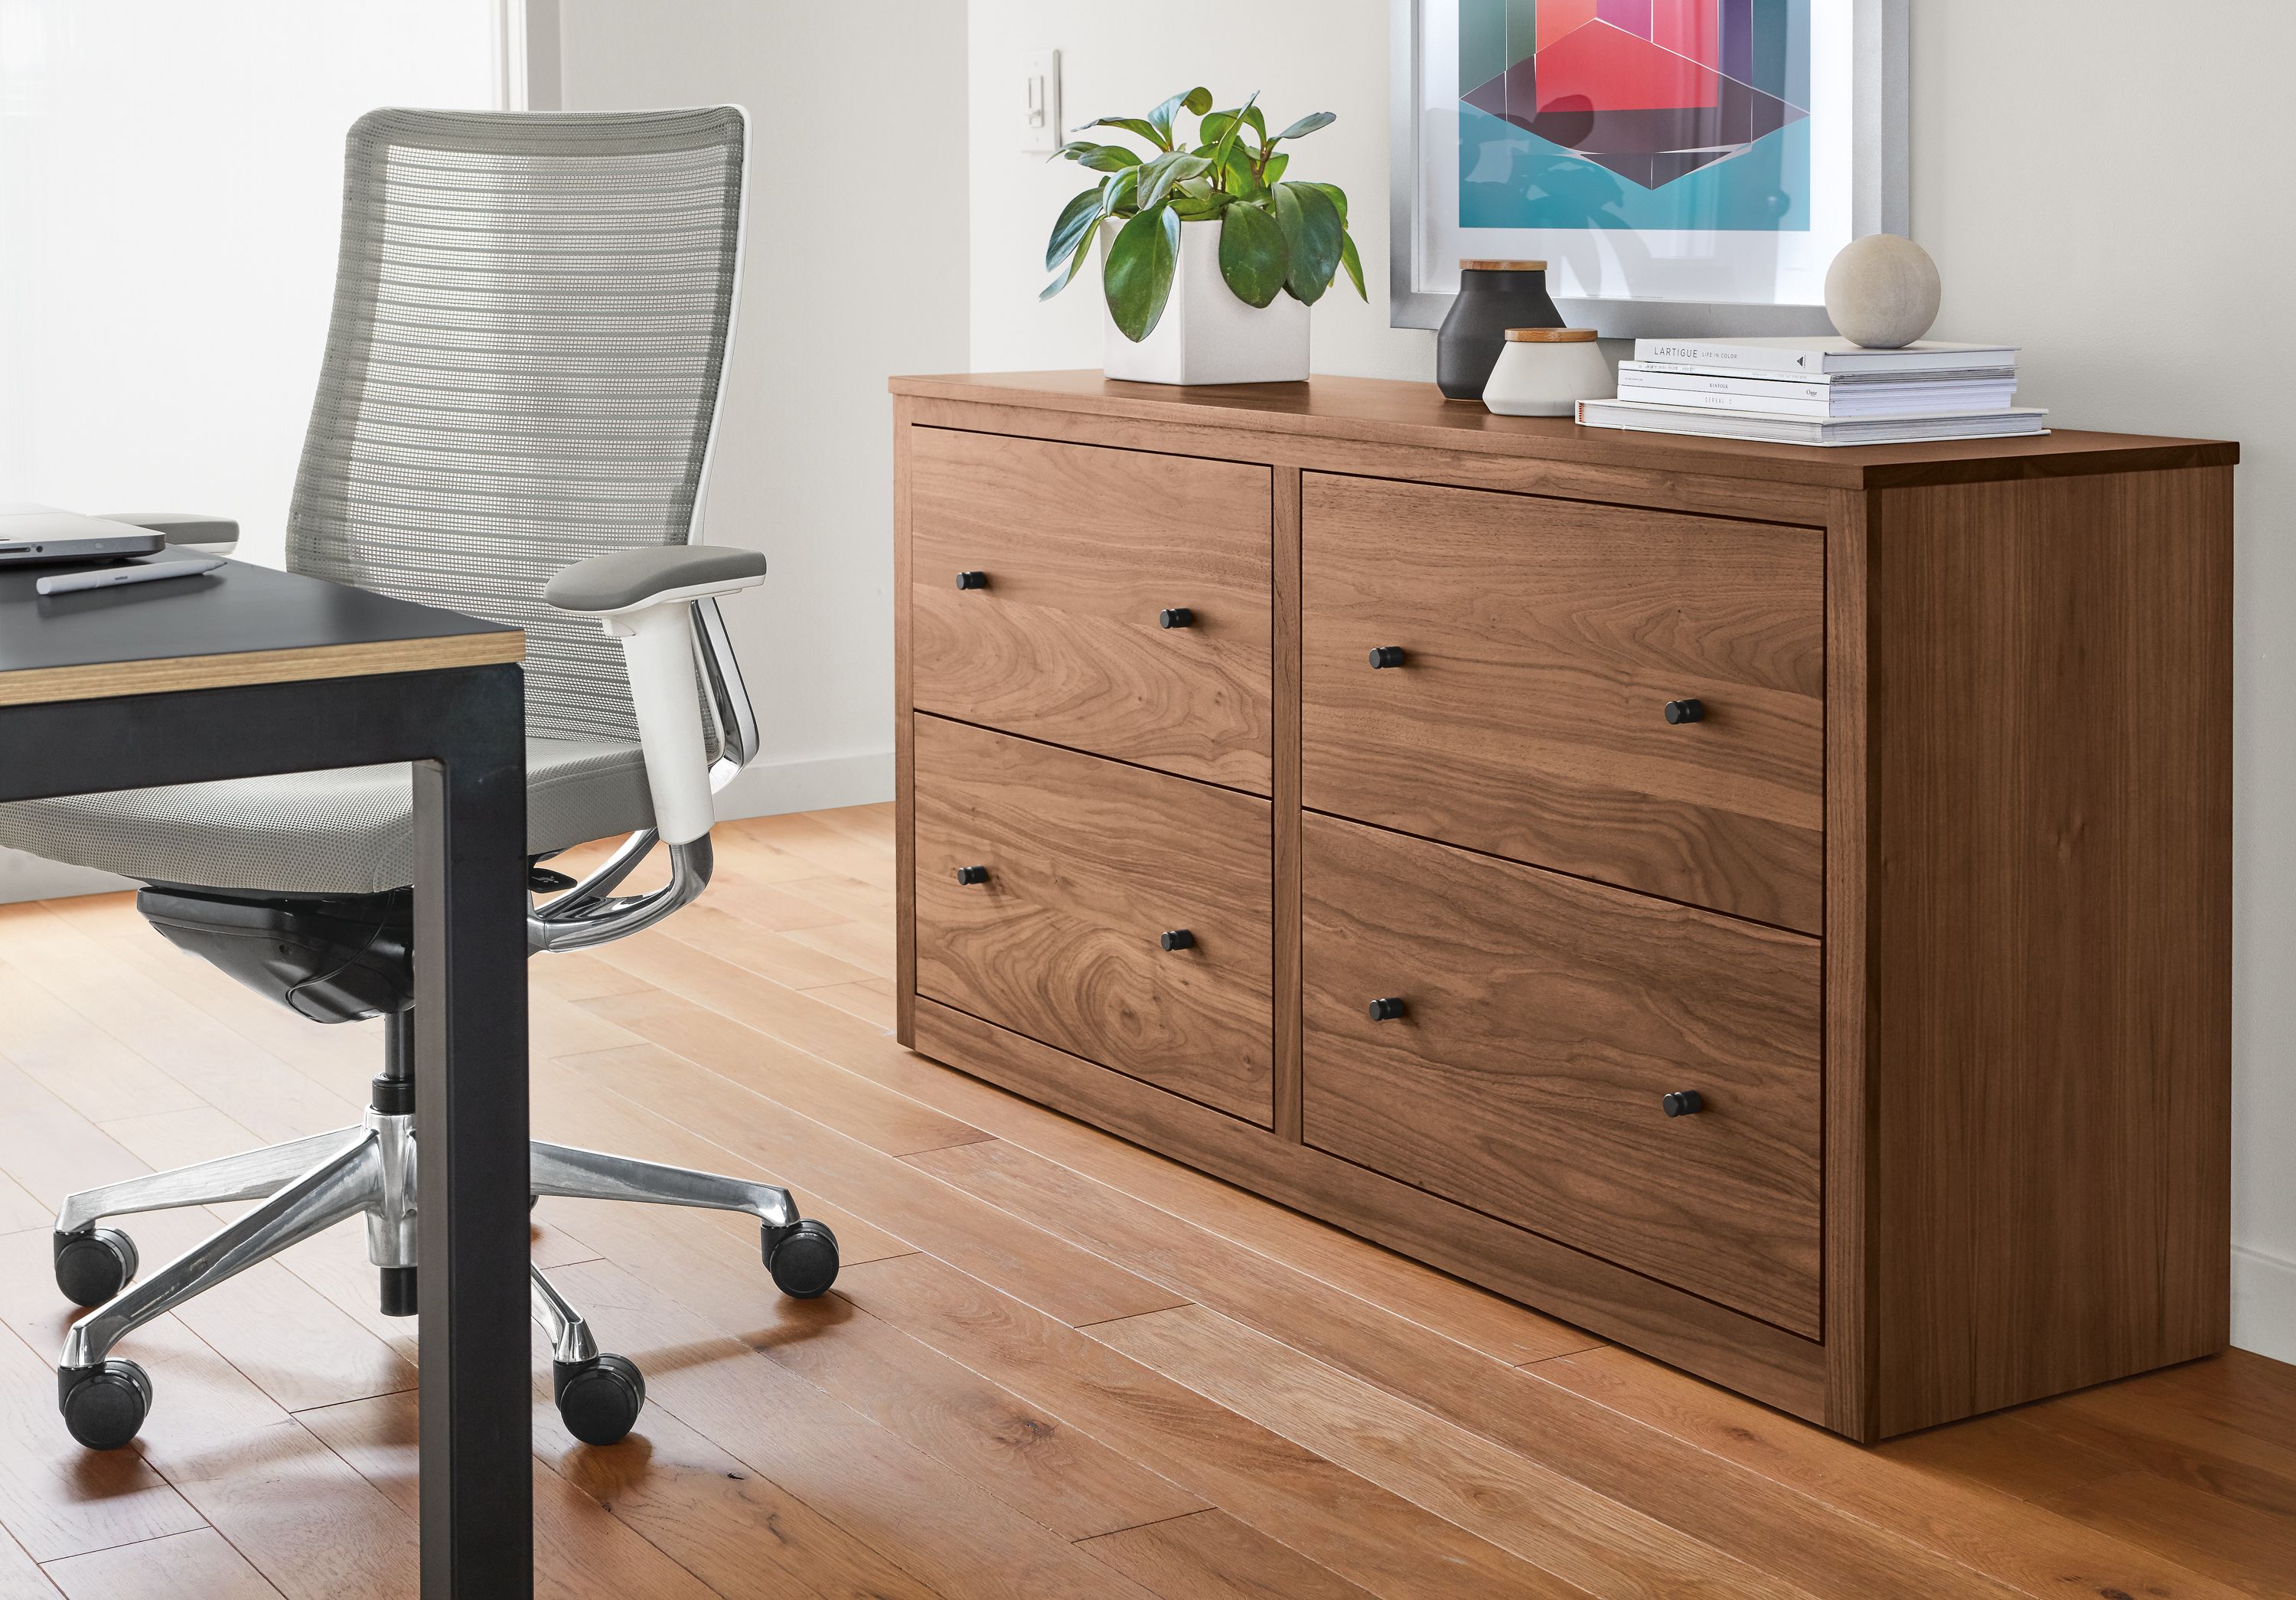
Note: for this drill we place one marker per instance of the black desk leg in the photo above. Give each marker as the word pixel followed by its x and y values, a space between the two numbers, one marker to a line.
pixel 470 1111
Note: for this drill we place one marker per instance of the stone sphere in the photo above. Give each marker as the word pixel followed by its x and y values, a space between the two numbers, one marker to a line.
pixel 1881 292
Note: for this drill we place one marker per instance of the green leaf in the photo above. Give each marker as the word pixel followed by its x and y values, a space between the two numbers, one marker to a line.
pixel 1196 198
pixel 1082 253
pixel 1100 158
pixel 1076 220
pixel 1275 168
pixel 1196 100
pixel 1307 125
pixel 1253 255
pixel 1121 190
pixel 1313 232
pixel 1332 193
pixel 1242 180
pixel 1352 262
pixel 1133 125
pixel 1138 278
pixel 1159 175
pixel 1230 124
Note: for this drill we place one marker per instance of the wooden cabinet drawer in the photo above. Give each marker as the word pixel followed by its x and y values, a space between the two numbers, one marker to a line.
pixel 1089 863
pixel 1082 551
pixel 1544 1019
pixel 1542 641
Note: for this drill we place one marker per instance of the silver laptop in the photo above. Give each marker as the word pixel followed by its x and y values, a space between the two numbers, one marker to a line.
pixel 41 533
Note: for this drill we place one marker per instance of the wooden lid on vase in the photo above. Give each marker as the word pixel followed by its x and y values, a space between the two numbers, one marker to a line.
pixel 1482 265
pixel 1550 335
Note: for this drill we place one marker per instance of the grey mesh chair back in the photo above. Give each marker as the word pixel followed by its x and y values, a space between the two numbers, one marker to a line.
pixel 531 318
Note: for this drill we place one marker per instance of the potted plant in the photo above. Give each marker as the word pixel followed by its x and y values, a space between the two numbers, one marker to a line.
pixel 1210 255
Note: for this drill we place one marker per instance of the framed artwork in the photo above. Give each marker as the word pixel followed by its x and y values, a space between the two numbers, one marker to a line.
pixel 1681 166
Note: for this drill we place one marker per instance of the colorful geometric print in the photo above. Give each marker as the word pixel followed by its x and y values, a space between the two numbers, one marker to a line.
pixel 1656 92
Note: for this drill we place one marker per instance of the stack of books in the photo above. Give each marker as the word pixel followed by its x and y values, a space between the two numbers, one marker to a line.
pixel 1817 392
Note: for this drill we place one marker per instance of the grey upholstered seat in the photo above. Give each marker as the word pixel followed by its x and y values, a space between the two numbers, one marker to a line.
pixel 349 831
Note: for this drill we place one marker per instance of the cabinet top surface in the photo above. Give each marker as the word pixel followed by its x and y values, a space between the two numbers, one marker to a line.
pixel 1386 411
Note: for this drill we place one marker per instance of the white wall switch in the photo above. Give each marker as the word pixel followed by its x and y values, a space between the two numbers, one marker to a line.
pixel 1040 104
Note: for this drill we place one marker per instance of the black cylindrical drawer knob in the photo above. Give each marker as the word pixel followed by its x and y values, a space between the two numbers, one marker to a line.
pixel 972 581
pixel 1387 655
pixel 1685 710
pixel 1681 1103
pixel 973 875
pixel 1175 616
pixel 1385 1010
pixel 1179 939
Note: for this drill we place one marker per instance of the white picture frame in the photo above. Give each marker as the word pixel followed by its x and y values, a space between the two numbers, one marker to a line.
pixel 1681 282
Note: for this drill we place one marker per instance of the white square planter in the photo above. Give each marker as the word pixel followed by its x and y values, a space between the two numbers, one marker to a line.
pixel 1206 334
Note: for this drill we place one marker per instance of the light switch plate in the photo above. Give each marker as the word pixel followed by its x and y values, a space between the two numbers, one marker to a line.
pixel 1040 101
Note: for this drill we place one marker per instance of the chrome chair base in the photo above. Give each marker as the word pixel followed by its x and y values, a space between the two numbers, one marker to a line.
pixel 310 1184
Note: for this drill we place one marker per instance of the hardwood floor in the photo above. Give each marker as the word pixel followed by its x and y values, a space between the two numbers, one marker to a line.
pixel 1055 1365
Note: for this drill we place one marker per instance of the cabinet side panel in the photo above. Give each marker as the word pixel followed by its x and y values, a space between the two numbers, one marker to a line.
pixel 1849 1100
pixel 2051 757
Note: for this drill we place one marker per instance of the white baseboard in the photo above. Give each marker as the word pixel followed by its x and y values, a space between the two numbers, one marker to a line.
pixel 24 877
pixel 2263 1303
pixel 770 789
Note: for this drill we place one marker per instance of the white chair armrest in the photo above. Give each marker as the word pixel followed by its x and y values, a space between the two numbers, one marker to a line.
pixel 642 598
pixel 630 580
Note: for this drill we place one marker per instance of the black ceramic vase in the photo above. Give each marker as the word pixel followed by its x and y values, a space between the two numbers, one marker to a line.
pixel 1494 296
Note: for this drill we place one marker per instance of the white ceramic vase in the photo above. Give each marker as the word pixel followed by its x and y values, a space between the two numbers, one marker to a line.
pixel 1206 334
pixel 1547 372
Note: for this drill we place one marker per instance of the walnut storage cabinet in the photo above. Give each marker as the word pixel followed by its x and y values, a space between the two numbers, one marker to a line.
pixel 1770 906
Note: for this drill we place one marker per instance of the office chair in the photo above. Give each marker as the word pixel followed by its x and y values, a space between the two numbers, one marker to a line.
pixel 514 419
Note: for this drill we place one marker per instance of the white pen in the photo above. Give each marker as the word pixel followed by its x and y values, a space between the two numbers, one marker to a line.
pixel 104 578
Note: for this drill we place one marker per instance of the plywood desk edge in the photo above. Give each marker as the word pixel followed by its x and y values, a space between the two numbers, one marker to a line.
pixel 162 675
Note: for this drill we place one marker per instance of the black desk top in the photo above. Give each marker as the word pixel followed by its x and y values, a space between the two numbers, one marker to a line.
pixel 240 624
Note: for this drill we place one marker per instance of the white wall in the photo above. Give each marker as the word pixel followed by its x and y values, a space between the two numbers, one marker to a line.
pixel 856 270
pixel 1302 56
pixel 2137 242
pixel 171 183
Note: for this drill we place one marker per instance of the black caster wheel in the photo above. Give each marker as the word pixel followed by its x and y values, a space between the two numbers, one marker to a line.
pixel 600 1400
pixel 802 1257
pixel 93 1266
pixel 104 1405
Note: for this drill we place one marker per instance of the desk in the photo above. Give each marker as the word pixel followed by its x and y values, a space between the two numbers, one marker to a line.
pixel 249 672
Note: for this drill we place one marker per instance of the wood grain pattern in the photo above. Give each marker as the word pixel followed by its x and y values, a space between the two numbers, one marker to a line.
pixel 1726 1507
pixel 234 668
pixel 1767 499
pixel 1089 862
pixel 2179 1485
pixel 1375 410
pixel 1544 640
pixel 1545 1019
pixel 1358 1530
pixel 1544 1516
pixel 2052 699
pixel 1556 578
pixel 1852 1129
pixel 1285 790
pixel 198 1562
pixel 1084 549
pixel 1756 1358
pixel 1209 1555
pixel 2031 1549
